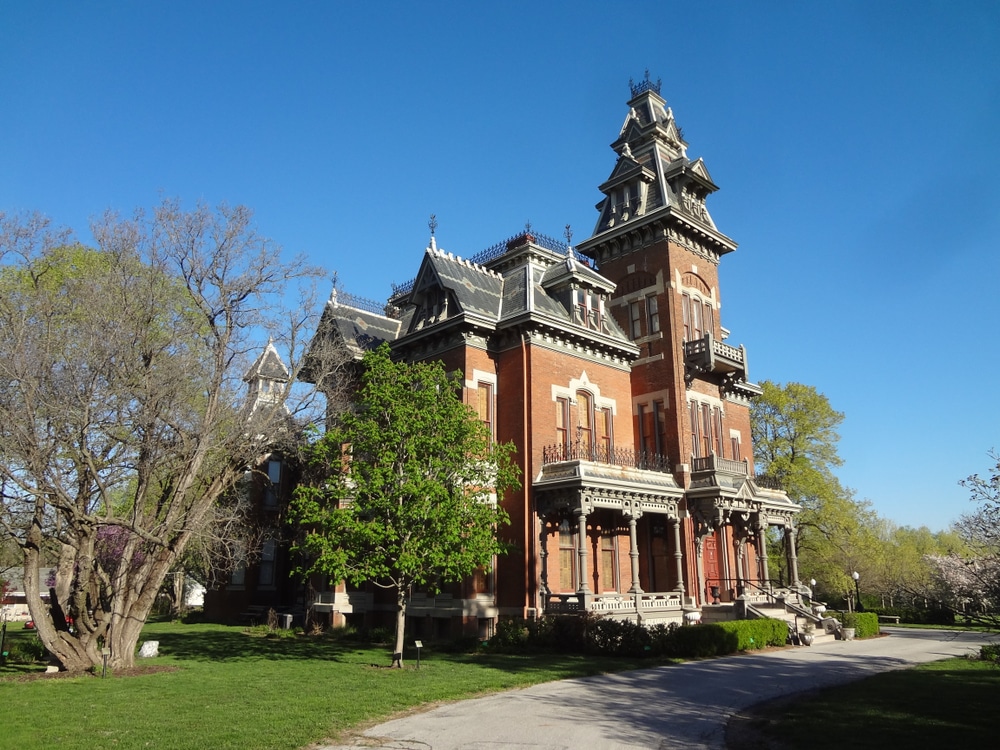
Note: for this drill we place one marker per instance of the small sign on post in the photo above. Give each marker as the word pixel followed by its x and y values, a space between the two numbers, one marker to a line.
pixel 419 645
pixel 105 653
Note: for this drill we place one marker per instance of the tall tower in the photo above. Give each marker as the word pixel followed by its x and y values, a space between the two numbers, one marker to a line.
pixel 690 394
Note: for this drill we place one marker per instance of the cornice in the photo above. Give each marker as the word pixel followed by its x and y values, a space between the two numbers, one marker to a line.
pixel 665 223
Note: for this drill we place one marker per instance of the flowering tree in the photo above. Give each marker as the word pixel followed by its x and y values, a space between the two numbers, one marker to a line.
pixel 122 411
pixel 971 582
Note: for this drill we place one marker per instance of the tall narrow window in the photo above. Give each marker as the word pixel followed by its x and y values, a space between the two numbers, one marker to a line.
pixel 659 427
pixel 567 556
pixel 686 310
pixel 644 436
pixel 266 565
pixel 272 484
pixel 609 577
pixel 562 421
pixel 706 430
pixel 717 430
pixel 604 437
pixel 734 447
pixel 695 432
pixel 635 320
pixel 585 419
pixel 709 318
pixel 652 314
pixel 696 329
pixel 485 396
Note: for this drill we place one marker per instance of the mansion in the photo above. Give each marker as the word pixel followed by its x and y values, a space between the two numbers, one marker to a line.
pixel 608 366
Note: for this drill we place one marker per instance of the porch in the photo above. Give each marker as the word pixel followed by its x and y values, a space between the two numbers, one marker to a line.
pixel 610 535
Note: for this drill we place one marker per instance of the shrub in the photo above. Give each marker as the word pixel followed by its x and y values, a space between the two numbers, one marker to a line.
pixel 990 652
pixel 26 650
pixel 509 636
pixel 754 634
pixel 866 624
pixel 931 616
pixel 619 638
pixel 700 641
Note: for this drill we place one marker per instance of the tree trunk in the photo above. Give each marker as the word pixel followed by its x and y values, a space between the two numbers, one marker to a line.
pixel 400 624
pixel 118 629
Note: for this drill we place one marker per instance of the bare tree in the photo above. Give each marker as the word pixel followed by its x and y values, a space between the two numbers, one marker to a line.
pixel 123 418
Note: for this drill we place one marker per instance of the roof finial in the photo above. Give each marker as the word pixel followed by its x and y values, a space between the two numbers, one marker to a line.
pixel 433 224
pixel 568 234
pixel 527 227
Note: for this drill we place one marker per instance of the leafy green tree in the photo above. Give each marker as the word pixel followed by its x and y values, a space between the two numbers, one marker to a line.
pixel 122 408
pixel 794 430
pixel 405 486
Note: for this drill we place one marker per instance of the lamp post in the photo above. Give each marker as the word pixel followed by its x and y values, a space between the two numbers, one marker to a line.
pixel 857 590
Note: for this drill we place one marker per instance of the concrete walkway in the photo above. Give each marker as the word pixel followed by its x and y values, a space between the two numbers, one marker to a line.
pixel 678 706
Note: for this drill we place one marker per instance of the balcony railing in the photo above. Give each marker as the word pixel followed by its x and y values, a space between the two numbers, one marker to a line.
pixel 612 604
pixel 769 482
pixel 581 451
pixel 700 348
pixel 717 463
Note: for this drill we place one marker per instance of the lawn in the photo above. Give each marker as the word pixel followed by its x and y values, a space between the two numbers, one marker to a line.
pixel 231 690
pixel 947 703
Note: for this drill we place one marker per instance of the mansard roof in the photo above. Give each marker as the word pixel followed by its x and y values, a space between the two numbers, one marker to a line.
pixel 653 179
pixel 570 271
pixel 358 323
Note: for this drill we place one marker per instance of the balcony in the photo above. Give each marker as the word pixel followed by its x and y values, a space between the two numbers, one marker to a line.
pixel 707 356
pixel 624 457
pixel 717 463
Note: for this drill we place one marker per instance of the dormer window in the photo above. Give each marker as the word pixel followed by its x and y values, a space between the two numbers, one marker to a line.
pixel 588 310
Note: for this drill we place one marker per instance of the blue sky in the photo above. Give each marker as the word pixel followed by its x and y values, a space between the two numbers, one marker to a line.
pixel 855 144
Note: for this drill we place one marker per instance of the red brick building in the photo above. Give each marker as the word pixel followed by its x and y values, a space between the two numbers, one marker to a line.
pixel 607 366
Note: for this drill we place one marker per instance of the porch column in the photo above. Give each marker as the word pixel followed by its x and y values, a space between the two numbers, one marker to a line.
pixel 793 561
pixel 724 552
pixel 633 551
pixel 543 555
pixel 678 555
pixel 581 521
pixel 765 574
pixel 700 568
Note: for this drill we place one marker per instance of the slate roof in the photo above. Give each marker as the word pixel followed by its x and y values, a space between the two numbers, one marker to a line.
pixel 268 366
pixel 359 329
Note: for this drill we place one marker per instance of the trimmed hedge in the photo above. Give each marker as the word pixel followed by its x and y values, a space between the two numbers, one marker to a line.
pixel 603 635
pixel 932 616
pixel 867 625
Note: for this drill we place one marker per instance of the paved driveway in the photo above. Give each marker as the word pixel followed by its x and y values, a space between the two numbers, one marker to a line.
pixel 678 706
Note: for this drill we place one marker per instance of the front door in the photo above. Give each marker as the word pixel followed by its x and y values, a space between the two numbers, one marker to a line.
pixel 660 558
pixel 713 578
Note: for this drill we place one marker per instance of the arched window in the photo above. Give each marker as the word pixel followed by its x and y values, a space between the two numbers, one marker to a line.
pixel 699 317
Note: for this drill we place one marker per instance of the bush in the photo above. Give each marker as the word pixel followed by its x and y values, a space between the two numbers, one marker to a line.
pixel 932 616
pixel 754 634
pixel 701 641
pixel 619 638
pixel 866 624
pixel 509 636
pixel 990 652
pixel 26 650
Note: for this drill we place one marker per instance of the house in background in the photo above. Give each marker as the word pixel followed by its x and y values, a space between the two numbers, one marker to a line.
pixel 262 577
pixel 609 368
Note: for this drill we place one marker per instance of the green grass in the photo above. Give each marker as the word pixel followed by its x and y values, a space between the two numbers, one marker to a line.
pixel 948 703
pixel 235 691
